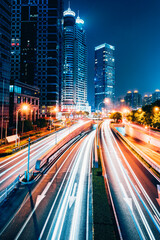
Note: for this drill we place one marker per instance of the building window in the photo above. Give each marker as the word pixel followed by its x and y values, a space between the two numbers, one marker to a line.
pixel 18 99
pixel 24 99
pixel 32 101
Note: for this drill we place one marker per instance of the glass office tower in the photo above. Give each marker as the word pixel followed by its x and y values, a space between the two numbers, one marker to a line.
pixel 5 44
pixel 74 87
pixel 37 48
pixel 104 75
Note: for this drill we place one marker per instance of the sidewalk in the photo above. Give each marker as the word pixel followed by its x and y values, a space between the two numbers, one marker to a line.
pixel 34 135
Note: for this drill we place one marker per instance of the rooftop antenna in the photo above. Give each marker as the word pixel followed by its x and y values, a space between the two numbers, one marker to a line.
pixel 68 4
pixel 78 14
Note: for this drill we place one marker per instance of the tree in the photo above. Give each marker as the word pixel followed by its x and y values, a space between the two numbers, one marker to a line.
pixel 117 116
pixel 156 120
pixel 41 122
pixel 28 126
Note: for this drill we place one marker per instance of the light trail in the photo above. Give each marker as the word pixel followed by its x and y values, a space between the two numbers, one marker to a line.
pixel 154 209
pixel 81 162
pixel 128 182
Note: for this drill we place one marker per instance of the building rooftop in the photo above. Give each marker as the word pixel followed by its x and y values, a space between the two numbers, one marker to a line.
pixel 104 45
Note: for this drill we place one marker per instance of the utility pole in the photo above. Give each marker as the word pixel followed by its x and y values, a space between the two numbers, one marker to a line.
pixel 28 159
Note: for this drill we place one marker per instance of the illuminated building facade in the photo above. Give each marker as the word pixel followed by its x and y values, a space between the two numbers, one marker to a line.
pixel 133 99
pixel 147 100
pixel 5 36
pixel 22 93
pixel 37 49
pixel 156 95
pixel 74 85
pixel 104 74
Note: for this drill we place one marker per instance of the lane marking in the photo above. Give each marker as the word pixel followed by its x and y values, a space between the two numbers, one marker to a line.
pixel 72 197
pixel 29 217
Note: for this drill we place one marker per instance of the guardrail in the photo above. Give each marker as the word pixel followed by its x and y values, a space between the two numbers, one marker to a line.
pixel 138 151
pixel 34 141
pixel 4 193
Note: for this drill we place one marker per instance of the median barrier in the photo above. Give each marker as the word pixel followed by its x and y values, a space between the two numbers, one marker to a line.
pixel 45 158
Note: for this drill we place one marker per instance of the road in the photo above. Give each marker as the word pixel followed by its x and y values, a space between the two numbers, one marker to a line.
pixel 58 207
pixel 133 189
pixel 16 165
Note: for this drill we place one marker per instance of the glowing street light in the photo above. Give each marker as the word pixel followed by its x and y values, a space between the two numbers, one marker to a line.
pixel 23 108
pixel 156 109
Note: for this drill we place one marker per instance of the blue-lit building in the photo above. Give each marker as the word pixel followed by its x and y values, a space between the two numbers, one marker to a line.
pixel 74 85
pixel 37 48
pixel 5 36
pixel 104 75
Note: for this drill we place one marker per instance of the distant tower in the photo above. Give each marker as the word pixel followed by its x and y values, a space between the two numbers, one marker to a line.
pixel 74 87
pixel 104 74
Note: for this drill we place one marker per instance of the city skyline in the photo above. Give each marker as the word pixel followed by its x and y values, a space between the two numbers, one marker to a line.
pixel 132 28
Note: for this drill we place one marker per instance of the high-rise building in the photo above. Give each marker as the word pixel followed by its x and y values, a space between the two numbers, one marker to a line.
pixel 133 99
pixel 36 48
pixel 104 75
pixel 156 95
pixel 74 85
pixel 5 36
pixel 129 99
pixel 147 100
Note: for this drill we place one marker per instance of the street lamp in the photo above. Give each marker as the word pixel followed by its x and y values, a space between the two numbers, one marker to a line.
pixel 24 107
pixel 55 110
pixel 106 100
pixel 156 109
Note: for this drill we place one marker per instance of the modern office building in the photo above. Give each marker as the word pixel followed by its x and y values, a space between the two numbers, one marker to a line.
pixel 156 95
pixel 36 48
pixel 129 99
pixel 22 93
pixel 133 100
pixel 74 85
pixel 5 44
pixel 147 100
pixel 104 75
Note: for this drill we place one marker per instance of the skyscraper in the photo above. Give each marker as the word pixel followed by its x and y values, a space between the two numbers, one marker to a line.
pixel 156 95
pixel 104 75
pixel 5 36
pixel 36 48
pixel 133 99
pixel 74 86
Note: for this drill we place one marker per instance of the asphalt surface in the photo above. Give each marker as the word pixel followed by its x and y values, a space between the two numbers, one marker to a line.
pixel 16 165
pixel 133 189
pixel 58 206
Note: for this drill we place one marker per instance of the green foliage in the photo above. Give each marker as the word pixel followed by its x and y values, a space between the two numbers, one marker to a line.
pixel 102 218
pixel 116 116
pixel 28 126
pixel 147 115
pixel 41 123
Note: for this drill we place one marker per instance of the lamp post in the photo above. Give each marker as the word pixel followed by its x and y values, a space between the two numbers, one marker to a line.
pixel 106 100
pixel 24 107
pixel 28 159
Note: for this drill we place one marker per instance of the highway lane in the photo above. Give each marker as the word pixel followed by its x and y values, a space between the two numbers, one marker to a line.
pixel 16 165
pixel 133 188
pixel 35 216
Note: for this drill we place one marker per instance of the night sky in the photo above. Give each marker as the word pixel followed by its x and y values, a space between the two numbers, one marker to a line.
pixel 133 27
